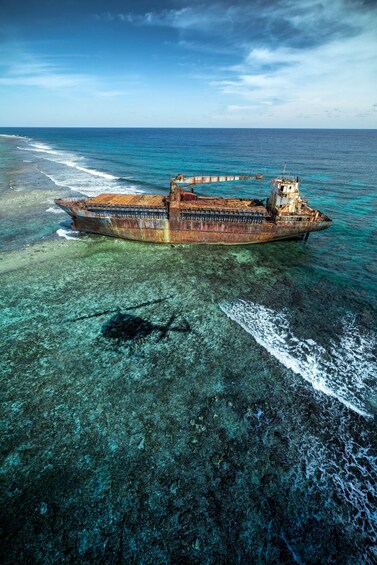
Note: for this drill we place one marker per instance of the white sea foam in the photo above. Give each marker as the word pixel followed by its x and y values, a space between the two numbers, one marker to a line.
pixel 88 185
pixel 68 170
pixel 93 172
pixel 346 370
pixel 39 150
pixel 68 234
pixel 12 136
pixel 54 180
pixel 40 146
pixel 349 469
pixel 55 210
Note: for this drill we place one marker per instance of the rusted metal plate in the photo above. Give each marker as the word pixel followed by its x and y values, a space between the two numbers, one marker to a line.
pixel 223 204
pixel 165 231
pixel 137 200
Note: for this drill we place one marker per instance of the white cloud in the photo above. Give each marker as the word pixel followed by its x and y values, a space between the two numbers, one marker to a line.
pixel 341 72
pixel 53 81
pixel 245 61
pixel 111 93
pixel 268 56
pixel 27 70
pixel 304 57
pixel 204 17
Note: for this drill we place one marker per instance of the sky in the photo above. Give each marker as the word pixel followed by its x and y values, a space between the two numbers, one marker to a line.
pixel 181 63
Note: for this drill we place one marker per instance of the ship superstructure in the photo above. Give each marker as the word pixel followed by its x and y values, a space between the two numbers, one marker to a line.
pixel 185 217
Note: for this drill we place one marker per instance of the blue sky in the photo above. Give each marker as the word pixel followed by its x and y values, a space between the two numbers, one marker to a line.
pixel 175 63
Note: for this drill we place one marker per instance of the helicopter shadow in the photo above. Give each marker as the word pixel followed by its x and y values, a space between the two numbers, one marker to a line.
pixel 123 327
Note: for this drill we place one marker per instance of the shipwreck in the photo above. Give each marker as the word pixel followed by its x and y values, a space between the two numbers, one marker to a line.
pixel 185 217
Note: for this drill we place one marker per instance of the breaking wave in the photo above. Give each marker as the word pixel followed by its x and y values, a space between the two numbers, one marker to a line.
pixel 39 148
pixel 68 170
pixel 55 181
pixel 54 210
pixel 68 234
pixel 346 370
pixel 14 136
pixel 93 172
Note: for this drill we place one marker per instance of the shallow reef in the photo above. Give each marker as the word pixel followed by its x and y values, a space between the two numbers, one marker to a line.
pixel 142 424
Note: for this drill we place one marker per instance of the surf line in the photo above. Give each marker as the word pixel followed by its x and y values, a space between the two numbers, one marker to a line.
pixel 263 324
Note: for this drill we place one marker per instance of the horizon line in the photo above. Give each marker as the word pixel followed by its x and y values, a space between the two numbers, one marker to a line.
pixel 191 127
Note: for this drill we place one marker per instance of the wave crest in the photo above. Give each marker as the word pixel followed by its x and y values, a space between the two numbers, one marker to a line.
pixel 69 170
pixel 346 370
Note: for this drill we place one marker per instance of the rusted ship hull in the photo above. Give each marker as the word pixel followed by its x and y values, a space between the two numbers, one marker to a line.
pixel 181 231
pixel 184 217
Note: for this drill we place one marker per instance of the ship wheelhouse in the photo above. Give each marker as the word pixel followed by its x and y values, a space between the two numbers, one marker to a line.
pixel 285 196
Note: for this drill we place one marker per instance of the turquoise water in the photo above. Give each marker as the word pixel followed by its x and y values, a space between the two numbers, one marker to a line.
pixel 187 404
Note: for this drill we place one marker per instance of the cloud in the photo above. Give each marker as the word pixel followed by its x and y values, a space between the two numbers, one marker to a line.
pixel 194 18
pixel 306 58
pixel 111 93
pixel 25 69
pixel 239 59
pixel 302 56
pixel 340 67
pixel 52 81
pixel 113 17
pixel 288 22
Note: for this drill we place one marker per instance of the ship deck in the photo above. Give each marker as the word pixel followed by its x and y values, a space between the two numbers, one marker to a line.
pixel 132 200
pixel 160 201
pixel 234 204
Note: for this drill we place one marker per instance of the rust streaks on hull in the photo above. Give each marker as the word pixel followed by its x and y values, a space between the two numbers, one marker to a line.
pixel 161 231
pixel 185 217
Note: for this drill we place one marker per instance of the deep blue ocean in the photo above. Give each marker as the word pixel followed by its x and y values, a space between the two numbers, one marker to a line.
pixel 235 420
